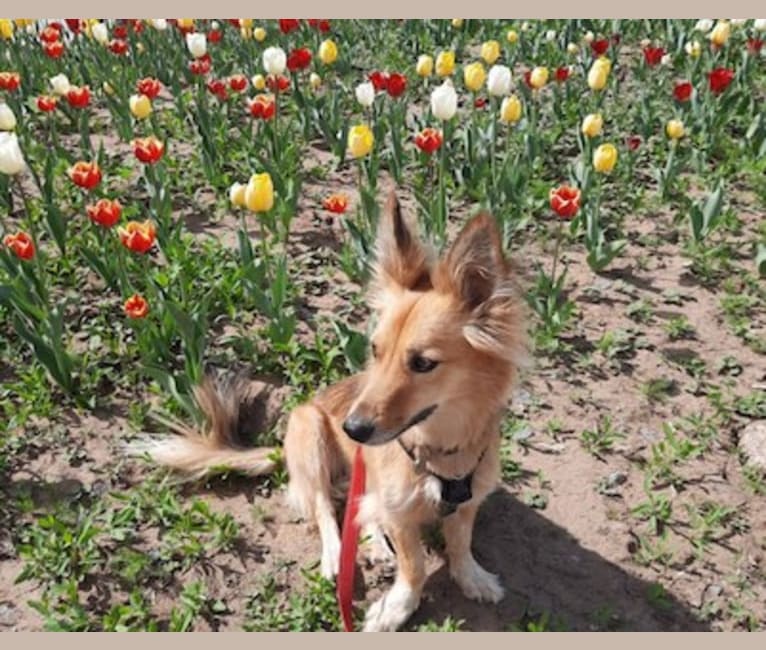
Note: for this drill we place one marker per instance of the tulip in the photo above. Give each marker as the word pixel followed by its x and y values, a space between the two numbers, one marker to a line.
pixel 588 37
pixel 6 28
pixel 274 60
pixel 605 158
pixel 474 76
pixel 336 203
pixel 328 52
pixel 598 74
pixel 60 84
pixel 315 81
pixel 258 81
pixel 160 24
pixel 396 84
pixel 512 36
pixel 148 150
pixel 499 80
pixel 510 110
pixel 457 23
pixel 539 77
pixel 136 307
pixel 425 65
pixel 429 140
pixel 365 94
pixel 675 129
pixel 259 193
pixel 565 201
pixel 85 174
pixel 100 33
pixel 237 195
pixel 277 83
pixel 9 80
pixel 592 125
pixel 46 103
pixel 572 49
pixel 11 158
pixel 720 33
pixel 149 86
pixel 259 34
pixel 444 101
pixel 693 49
pixel 550 36
pixel 185 24
pixel 21 244
pixel 263 107
pixel 490 52
pixel 7 118
pixel 704 25
pixel 140 106
pixel 104 212
pixel 78 97
pixel 682 91
pixel 197 44
pixel 445 63
pixel 719 80
pixel 299 59
pixel 138 237
pixel 360 140
pixel 238 82
pixel 760 24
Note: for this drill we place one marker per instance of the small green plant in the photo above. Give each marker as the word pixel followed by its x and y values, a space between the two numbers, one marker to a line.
pixel 679 328
pixel 657 509
pixel 601 440
pixel 449 624
pixel 659 389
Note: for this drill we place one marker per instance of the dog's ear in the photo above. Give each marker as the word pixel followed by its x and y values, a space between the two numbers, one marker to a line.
pixel 401 259
pixel 475 264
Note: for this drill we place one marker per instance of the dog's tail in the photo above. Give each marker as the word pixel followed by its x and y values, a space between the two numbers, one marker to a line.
pixel 215 449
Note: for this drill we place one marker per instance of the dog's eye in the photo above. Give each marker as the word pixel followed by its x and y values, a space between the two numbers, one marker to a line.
pixel 419 363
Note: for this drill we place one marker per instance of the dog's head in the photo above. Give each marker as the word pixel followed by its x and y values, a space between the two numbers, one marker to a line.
pixel 448 338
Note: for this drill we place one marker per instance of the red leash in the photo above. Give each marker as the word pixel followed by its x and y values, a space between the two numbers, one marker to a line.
pixel 349 541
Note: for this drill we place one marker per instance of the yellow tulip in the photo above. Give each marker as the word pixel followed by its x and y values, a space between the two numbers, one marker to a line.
pixel 598 74
pixel 185 23
pixel 720 33
pixel 425 65
pixel 259 193
pixel 510 110
pixel 605 158
pixel 592 125
pixel 6 28
pixel 490 52
pixel 315 80
pixel 245 33
pixel 675 129
pixel 539 77
pixel 259 34
pixel 237 195
pixel 445 63
pixel 474 76
pixel 360 140
pixel 140 106
pixel 21 23
pixel 328 52
pixel 693 49
pixel 457 23
pixel 107 87
pixel 245 23
pixel 258 81
pixel 512 36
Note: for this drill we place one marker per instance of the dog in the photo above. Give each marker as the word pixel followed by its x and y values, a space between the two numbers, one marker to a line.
pixel 446 350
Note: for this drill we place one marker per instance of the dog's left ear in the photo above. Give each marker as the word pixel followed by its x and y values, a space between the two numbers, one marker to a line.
pixel 475 263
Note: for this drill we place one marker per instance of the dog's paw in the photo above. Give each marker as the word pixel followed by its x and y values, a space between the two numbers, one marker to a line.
pixel 392 610
pixel 330 563
pixel 477 583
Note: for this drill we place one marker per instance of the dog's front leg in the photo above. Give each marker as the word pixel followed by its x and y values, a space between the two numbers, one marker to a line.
pixel 394 608
pixel 474 580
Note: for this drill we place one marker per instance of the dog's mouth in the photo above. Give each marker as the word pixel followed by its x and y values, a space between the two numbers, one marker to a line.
pixel 387 436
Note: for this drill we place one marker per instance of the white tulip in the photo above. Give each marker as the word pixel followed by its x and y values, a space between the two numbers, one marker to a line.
pixel 572 48
pixel 7 118
pixel 160 24
pixel 499 80
pixel 60 84
pixel 525 26
pixel 589 36
pixel 100 33
pixel 215 25
pixel 444 101
pixel 274 60
pixel 197 44
pixel 11 158
pixel 550 35
pixel 760 24
pixel 666 59
pixel 704 25
pixel 365 94
pixel 737 22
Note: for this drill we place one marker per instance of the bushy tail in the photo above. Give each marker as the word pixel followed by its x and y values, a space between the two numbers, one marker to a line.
pixel 195 453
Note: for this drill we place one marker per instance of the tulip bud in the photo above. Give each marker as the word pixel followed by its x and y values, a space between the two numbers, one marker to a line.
pixel 490 52
pixel 512 37
pixel 474 76
pixel 598 74
pixel 7 118
pixel 592 125
pixel 675 129
pixel 274 60
pixel 360 141
pixel 60 84
pixel 444 101
pixel 499 80
pixel 197 44
pixel 259 193
pixel 328 52
pixel 365 94
pixel 140 106
pixel 259 34
pixel 11 158
pixel 720 33
pixel 539 77
pixel 605 158
pixel 510 110
pixel 100 33
pixel 445 63
pixel 425 65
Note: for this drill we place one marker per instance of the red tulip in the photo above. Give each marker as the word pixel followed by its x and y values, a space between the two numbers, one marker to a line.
pixel 148 86
pixel 238 82
pixel 120 31
pixel 214 36
pixel 74 24
pixel 138 237
pixel 682 91
pixel 53 50
pixel 277 83
pixel 336 203
pixel 480 102
pixel 218 88
pixel 754 45
pixel 85 174
pixel 21 244
pixel 105 212
pixel 9 80
pixel 287 25
pixel 46 103
pixel 565 201
pixel 118 46
pixel 429 140
pixel 719 79
pixel 600 46
pixel 562 73
pixel 396 84
pixel 148 150
pixel 50 35
pixel 299 59
pixel 262 107
pixel 528 78
pixel 653 55
pixel 633 142
pixel 78 97
pixel 136 306
pixel 200 66
pixel 379 80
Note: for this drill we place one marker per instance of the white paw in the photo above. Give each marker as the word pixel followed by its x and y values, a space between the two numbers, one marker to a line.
pixel 330 562
pixel 392 610
pixel 476 582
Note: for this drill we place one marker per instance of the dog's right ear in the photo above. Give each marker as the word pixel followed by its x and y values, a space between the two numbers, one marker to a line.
pixel 401 259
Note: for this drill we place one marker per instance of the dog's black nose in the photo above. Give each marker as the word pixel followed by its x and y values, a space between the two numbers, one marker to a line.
pixel 359 428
